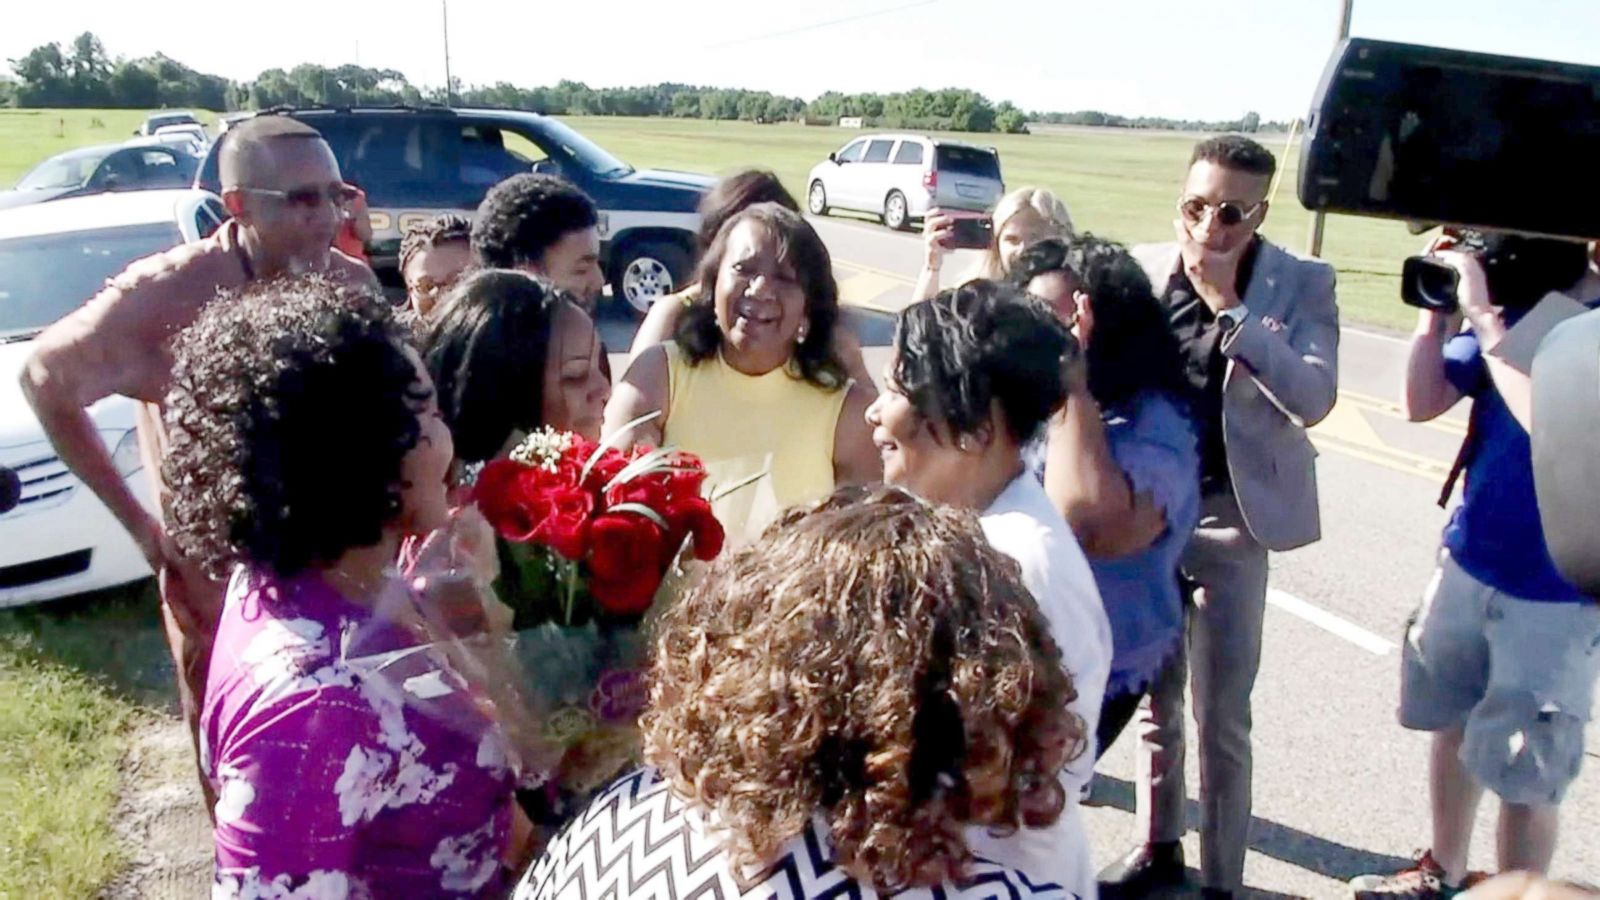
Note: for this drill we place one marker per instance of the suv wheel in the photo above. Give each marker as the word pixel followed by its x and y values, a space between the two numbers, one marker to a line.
pixel 894 211
pixel 647 271
pixel 817 199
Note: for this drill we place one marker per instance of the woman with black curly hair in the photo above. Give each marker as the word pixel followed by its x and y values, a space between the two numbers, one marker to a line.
pixel 1120 461
pixel 306 446
pixel 509 355
pixel 755 372
pixel 800 747
pixel 975 374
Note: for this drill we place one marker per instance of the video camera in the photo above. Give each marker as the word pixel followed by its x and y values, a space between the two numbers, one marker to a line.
pixel 1520 270
pixel 1501 151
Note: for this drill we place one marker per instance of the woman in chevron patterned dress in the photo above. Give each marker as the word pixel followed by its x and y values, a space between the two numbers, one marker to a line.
pixel 833 708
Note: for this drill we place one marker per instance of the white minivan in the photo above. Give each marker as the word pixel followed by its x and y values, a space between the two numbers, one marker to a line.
pixel 900 177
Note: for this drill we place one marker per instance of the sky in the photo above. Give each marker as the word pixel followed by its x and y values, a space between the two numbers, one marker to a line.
pixel 1197 59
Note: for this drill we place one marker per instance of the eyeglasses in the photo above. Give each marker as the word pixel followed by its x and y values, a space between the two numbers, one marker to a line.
pixel 340 195
pixel 1225 213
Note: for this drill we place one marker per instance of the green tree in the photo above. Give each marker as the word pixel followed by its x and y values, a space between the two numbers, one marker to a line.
pixel 43 75
pixel 1009 119
pixel 134 86
pixel 89 71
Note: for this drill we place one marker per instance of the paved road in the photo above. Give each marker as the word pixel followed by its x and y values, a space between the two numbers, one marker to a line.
pixel 1340 788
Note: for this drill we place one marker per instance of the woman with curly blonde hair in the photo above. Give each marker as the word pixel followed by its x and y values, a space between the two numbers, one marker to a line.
pixel 833 708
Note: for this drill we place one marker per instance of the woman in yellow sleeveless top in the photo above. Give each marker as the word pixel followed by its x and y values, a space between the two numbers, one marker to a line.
pixel 753 380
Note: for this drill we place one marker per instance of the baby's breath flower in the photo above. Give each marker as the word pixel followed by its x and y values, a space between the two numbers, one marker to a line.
pixel 543 449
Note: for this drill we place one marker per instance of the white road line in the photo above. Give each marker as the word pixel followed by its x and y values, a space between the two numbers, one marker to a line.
pixel 1327 621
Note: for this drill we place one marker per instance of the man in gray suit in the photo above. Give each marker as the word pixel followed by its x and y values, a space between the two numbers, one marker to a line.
pixel 1260 334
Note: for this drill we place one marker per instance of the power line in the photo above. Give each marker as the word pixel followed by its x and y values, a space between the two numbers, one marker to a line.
pixel 817 25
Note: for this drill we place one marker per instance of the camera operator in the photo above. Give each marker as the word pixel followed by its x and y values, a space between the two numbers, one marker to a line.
pixel 1500 660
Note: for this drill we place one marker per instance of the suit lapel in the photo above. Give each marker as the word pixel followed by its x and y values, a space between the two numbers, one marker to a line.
pixel 1265 289
pixel 1261 295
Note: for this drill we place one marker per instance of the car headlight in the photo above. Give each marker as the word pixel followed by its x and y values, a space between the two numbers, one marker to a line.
pixel 126 456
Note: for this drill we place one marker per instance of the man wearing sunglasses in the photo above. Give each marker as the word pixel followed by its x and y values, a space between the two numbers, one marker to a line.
pixel 281 184
pixel 1260 332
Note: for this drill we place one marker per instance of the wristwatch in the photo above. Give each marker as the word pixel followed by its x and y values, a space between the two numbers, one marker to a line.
pixel 1232 317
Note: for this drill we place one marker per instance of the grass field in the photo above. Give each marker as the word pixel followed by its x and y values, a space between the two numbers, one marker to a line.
pixel 76 677
pixel 1120 184
pixel 1116 183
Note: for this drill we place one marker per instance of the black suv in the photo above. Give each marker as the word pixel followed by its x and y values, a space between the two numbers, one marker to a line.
pixel 416 162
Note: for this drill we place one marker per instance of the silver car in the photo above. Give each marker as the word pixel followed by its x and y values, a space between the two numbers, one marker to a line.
pixel 900 177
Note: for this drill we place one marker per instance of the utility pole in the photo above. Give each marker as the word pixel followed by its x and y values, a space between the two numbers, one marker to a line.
pixel 449 86
pixel 1319 218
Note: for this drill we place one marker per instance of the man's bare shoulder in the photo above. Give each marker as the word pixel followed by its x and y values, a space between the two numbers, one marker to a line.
pixel 349 270
pixel 204 265
pixel 116 342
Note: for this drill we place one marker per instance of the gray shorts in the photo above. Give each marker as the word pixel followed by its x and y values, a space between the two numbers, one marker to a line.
pixel 1519 674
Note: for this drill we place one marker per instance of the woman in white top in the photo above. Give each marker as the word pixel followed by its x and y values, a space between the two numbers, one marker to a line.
pixel 833 711
pixel 976 373
pixel 1021 218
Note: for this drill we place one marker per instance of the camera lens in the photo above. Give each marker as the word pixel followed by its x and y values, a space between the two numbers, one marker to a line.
pixel 1437 285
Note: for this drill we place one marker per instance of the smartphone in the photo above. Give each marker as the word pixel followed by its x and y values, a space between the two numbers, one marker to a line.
pixel 972 233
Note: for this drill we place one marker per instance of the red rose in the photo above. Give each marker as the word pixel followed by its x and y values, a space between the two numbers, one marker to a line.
pixel 568 471
pixel 563 521
pixel 645 490
pixel 693 516
pixel 688 475
pixel 624 562
pixel 608 466
pixel 501 498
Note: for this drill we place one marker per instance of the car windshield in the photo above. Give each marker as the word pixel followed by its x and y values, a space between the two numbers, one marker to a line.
pixel 44 277
pixel 67 171
pixel 588 154
pixel 969 161
pixel 155 122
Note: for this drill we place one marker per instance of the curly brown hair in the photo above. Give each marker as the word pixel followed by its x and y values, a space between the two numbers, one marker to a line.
pixel 292 406
pixel 874 659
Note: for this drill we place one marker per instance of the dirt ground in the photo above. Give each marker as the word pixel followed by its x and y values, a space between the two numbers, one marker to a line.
pixel 160 819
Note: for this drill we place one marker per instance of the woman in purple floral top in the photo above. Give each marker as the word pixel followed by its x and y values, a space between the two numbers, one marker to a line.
pixel 350 759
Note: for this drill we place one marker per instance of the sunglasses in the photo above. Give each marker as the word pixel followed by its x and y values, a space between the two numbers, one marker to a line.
pixel 340 195
pixel 1225 213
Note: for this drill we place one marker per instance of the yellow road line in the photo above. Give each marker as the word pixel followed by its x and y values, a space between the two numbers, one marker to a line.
pixel 1391 408
pixel 1389 458
pixel 863 288
pixel 897 277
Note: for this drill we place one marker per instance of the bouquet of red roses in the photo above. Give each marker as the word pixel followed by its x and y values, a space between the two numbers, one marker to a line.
pixel 610 521
pixel 589 535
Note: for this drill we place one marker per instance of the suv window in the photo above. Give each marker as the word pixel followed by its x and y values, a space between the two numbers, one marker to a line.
pixel 878 151
pixel 909 154
pixel 490 155
pixel 968 161
pixel 402 160
pixel 852 153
